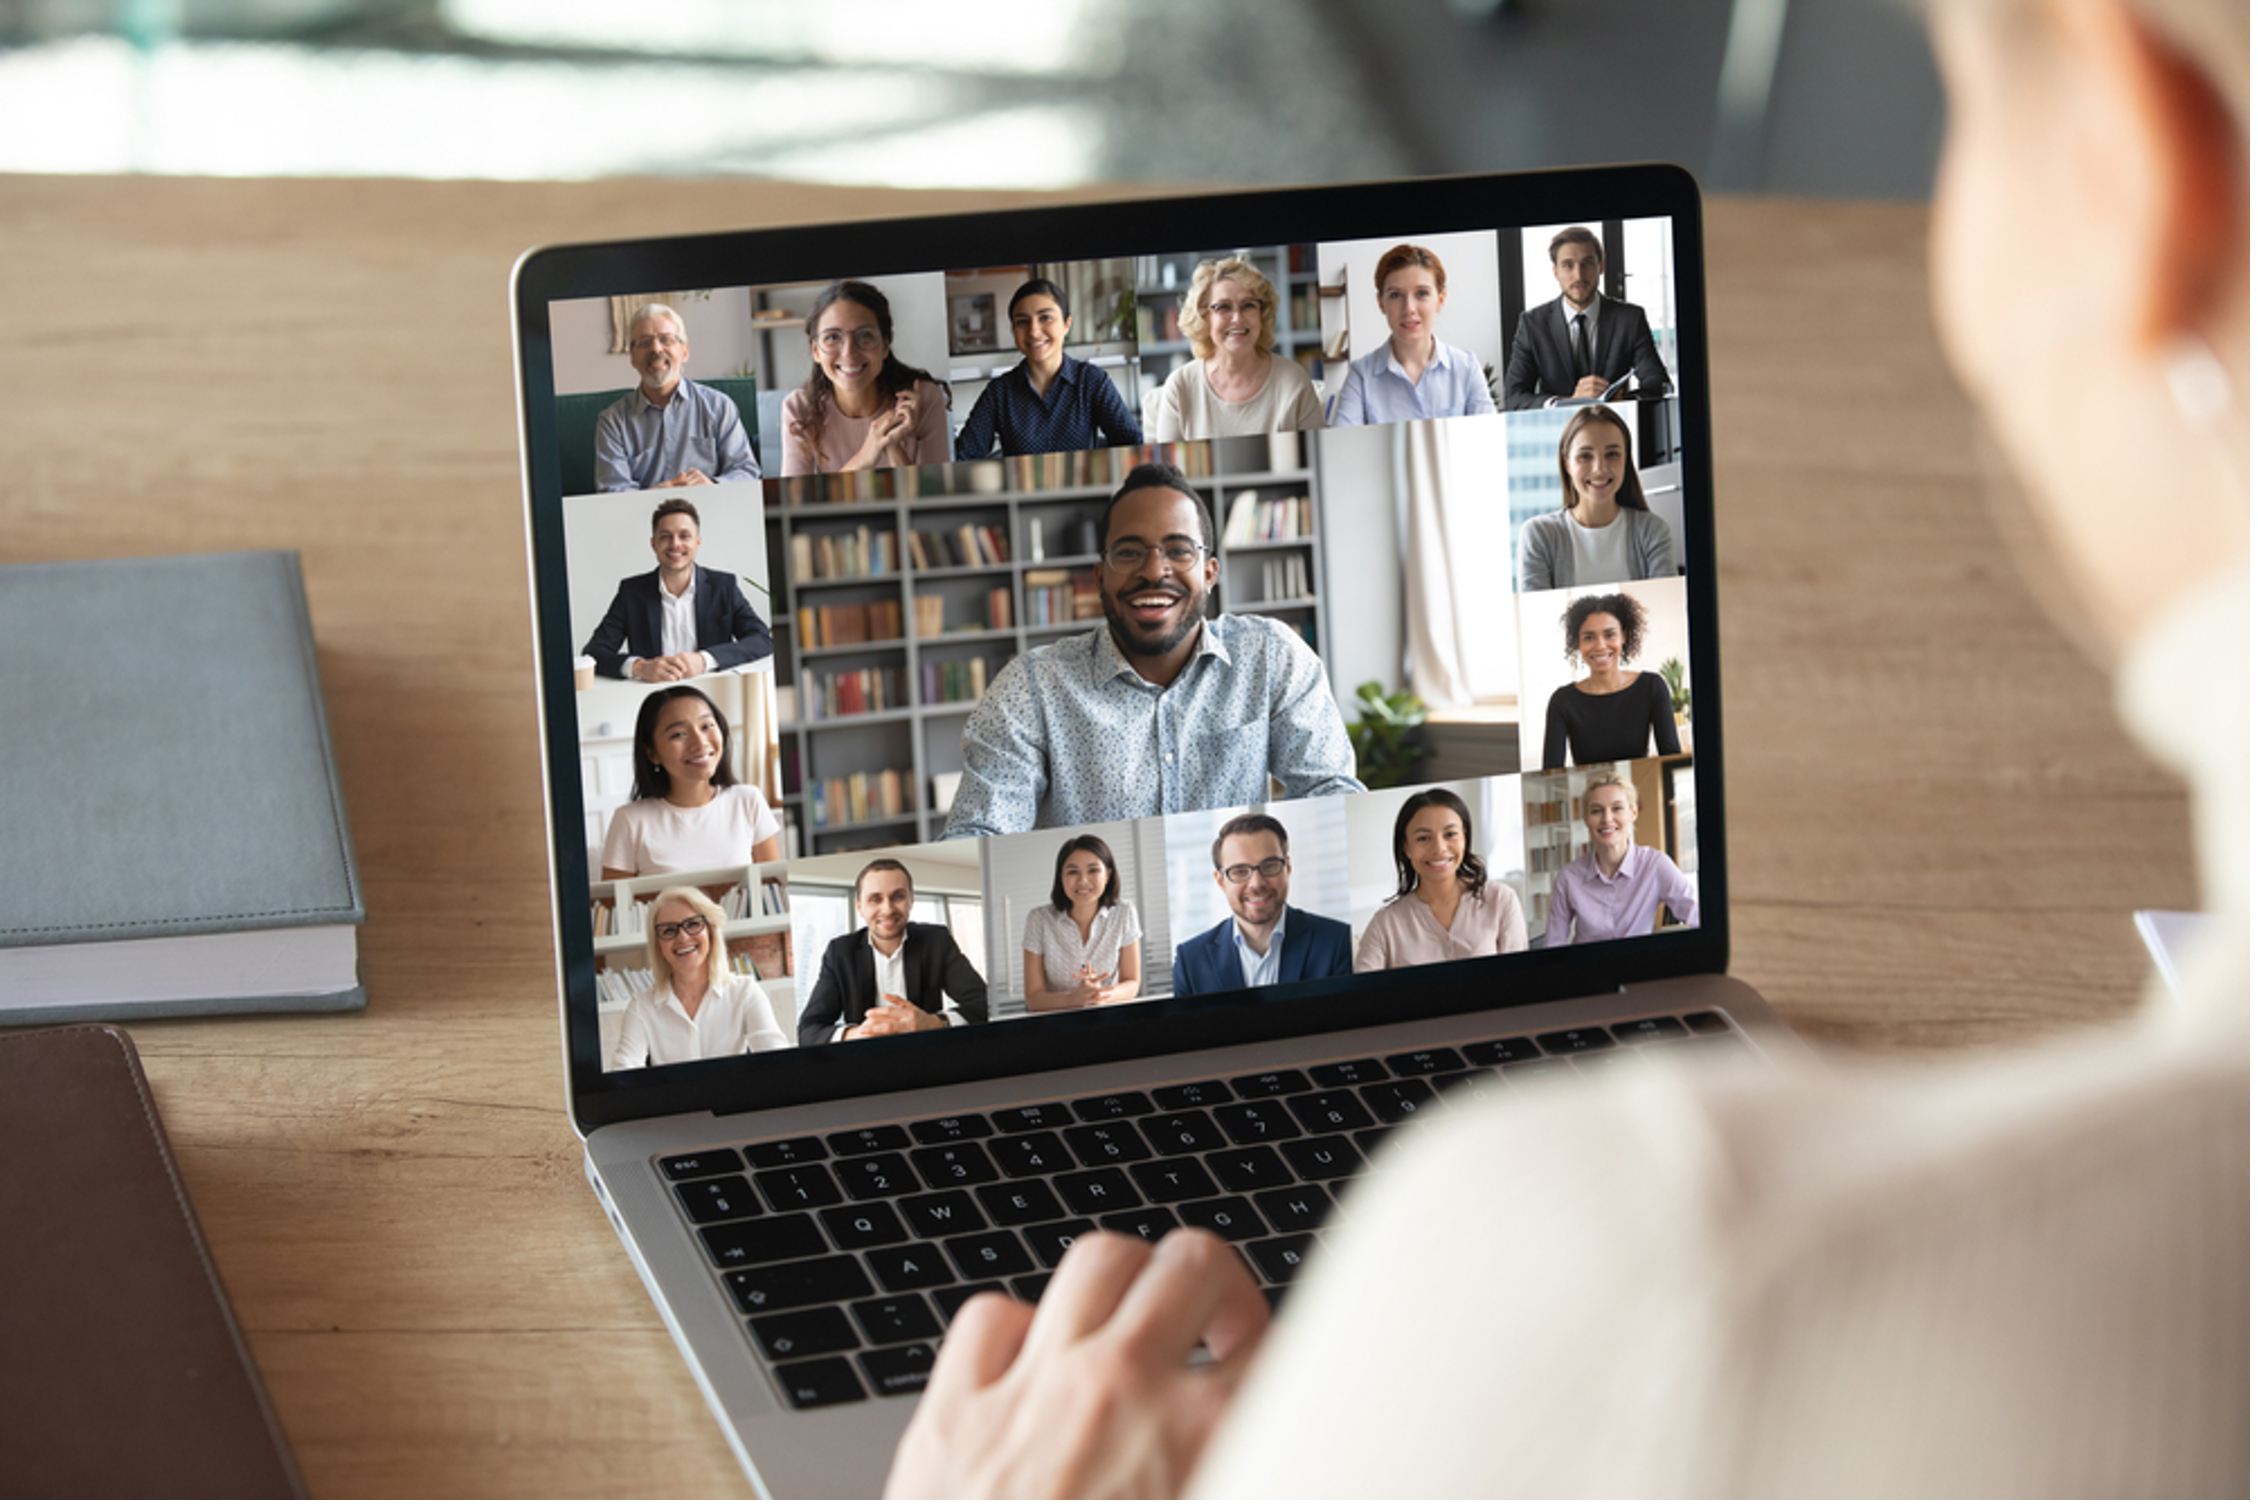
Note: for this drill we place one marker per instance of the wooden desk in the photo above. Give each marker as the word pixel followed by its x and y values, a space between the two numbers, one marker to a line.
pixel 1937 831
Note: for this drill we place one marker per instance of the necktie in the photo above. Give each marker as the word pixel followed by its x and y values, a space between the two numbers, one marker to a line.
pixel 1583 344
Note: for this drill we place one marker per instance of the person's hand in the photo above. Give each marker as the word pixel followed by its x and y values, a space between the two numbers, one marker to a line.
pixel 1590 387
pixel 689 476
pixel 881 447
pixel 656 668
pixel 890 1017
pixel 1087 1394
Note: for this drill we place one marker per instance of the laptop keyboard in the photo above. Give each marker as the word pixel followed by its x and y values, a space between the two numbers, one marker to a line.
pixel 849 1253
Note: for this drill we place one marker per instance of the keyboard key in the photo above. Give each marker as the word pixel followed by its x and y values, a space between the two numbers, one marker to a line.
pixel 856 1226
pixel 901 1268
pixel 1173 1180
pixel 950 1300
pixel 1292 1210
pixel 954 1166
pixel 1398 1098
pixel 997 1254
pixel 1470 1084
pixel 1268 1086
pixel 866 1140
pixel 1098 1191
pixel 1504 1050
pixel 1033 1118
pixel 1245 1169
pixel 778 1154
pixel 779 1238
pixel 1575 1039
pixel 1324 1113
pixel 799 1188
pixel 1354 1071
pixel 880 1177
pixel 701 1164
pixel 1113 1107
pixel 728 1198
pixel 1021 1203
pixel 1103 1146
pixel 1191 1096
pixel 795 1285
pixel 1230 1217
pixel 810 1332
pixel 1029 1289
pixel 1279 1260
pixel 890 1322
pixel 1424 1061
pixel 949 1212
pixel 1706 1023
pixel 1184 1131
pixel 1523 1074
pixel 1261 1121
pixel 1049 1242
pixel 814 1384
pixel 1030 1155
pixel 1322 1157
pixel 1368 1141
pixel 1593 1065
pixel 1652 1029
pixel 1145 1225
pixel 949 1128
pixel 898 1369
pixel 1726 1046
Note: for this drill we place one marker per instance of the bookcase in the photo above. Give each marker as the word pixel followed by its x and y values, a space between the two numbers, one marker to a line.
pixel 905 592
pixel 757 937
pixel 1554 836
pixel 1161 281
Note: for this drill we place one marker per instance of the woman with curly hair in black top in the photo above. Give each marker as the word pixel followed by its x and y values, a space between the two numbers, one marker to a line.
pixel 1607 715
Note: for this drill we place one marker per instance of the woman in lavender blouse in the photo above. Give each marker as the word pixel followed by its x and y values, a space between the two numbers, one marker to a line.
pixel 1611 888
pixel 1446 906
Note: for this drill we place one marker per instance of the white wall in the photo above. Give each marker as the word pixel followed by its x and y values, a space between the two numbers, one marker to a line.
pixel 1545 667
pixel 1472 318
pixel 1363 570
pixel 608 537
pixel 717 322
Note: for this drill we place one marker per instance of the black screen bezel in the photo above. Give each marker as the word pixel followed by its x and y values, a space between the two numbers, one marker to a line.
pixel 1068 232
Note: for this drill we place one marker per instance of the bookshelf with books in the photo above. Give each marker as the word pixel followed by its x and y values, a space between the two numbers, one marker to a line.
pixel 1553 835
pixel 990 558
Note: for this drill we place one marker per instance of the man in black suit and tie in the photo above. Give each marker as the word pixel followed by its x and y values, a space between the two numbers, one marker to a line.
pixel 1263 940
pixel 888 975
pixel 1574 346
pixel 680 620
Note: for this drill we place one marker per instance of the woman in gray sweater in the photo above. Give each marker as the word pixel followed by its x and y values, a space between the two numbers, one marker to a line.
pixel 1604 531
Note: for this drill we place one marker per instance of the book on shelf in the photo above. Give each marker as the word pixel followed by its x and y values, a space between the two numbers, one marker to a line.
pixel 208 869
pixel 850 623
pixel 1540 813
pixel 966 545
pixel 947 681
pixel 1254 520
pixel 1285 579
pixel 849 693
pixel 864 796
pixel 863 552
pixel 1061 596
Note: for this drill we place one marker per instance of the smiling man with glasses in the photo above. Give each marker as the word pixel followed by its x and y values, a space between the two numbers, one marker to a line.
pixel 1162 709
pixel 669 431
pixel 1263 941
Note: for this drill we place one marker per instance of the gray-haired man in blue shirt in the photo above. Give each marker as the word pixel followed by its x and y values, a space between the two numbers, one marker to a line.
pixel 669 431
pixel 1161 710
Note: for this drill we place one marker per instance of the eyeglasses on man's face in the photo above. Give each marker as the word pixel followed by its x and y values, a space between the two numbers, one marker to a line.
pixel 643 343
pixel 689 926
pixel 1126 557
pixel 1269 869
pixel 835 341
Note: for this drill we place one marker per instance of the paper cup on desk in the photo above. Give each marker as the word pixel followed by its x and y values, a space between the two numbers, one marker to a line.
pixel 584 673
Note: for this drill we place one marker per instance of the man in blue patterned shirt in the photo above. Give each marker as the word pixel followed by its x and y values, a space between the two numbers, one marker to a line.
pixel 1161 710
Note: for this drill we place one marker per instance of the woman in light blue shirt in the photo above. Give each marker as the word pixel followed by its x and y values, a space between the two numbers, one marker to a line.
pixel 1415 375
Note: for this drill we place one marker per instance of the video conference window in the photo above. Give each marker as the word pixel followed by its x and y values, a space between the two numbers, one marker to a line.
pixel 1169 625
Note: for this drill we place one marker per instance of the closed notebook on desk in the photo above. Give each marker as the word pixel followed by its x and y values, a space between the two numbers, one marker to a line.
pixel 176 839
pixel 122 1373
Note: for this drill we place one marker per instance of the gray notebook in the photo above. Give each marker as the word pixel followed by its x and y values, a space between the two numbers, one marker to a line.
pixel 176 838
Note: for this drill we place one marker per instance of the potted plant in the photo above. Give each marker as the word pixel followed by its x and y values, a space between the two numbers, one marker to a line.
pixel 1386 736
pixel 1673 673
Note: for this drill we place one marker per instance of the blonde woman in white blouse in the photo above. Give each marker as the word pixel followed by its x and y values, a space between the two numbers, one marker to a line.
pixel 1082 947
pixel 1237 383
pixel 696 1007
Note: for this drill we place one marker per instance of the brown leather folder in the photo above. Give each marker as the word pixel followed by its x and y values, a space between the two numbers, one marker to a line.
pixel 122 1373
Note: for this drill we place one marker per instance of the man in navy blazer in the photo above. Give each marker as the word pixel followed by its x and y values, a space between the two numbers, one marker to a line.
pixel 889 975
pixel 680 620
pixel 1553 359
pixel 1264 940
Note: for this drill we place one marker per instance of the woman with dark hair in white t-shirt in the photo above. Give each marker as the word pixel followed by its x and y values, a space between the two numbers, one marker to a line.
pixel 689 811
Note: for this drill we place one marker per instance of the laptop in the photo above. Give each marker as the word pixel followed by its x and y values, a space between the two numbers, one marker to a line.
pixel 1107 711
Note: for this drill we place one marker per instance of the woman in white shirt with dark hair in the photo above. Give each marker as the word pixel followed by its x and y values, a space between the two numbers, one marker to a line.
pixel 1081 949
pixel 695 1007
pixel 689 811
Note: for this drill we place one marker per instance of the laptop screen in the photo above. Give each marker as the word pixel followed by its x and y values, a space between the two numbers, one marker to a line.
pixel 977 644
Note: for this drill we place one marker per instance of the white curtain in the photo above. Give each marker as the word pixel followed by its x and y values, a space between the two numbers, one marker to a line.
pixel 1434 612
